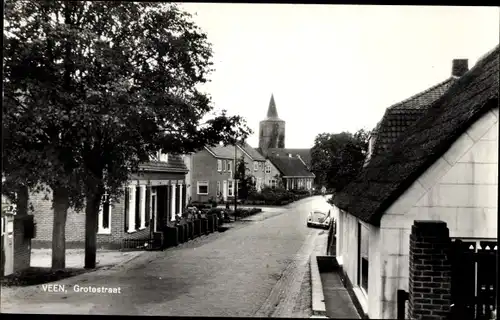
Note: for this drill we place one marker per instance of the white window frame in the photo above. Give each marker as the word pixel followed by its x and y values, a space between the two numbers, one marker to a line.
pixel 154 207
pixel 230 188
pixel 362 226
pixel 255 166
pixel 268 168
pixel 273 183
pixel 224 165
pixel 229 166
pixel 142 206
pixel 202 183
pixel 219 165
pixel 131 208
pixel 219 190
pixel 100 217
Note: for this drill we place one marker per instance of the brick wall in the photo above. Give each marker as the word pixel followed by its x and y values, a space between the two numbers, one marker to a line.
pixel 75 225
pixel 22 246
pixel 430 271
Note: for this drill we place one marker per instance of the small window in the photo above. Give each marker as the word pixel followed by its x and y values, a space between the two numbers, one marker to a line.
pixel 229 165
pixel 219 165
pixel 203 187
pixel 255 166
pixel 268 168
pixel 218 189
pixel 363 241
pixel 225 165
pixel 230 188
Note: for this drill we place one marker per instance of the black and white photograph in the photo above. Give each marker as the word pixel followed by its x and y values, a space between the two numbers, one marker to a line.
pixel 279 160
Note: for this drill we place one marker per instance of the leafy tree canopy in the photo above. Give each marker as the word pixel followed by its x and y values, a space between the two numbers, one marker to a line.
pixel 92 89
pixel 337 158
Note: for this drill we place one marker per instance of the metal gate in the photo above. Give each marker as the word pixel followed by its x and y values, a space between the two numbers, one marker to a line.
pixel 473 278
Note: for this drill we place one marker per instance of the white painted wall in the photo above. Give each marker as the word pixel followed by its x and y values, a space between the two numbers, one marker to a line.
pixel 460 188
pixel 347 250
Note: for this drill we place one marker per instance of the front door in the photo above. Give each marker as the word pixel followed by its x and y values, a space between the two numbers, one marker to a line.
pixel 224 190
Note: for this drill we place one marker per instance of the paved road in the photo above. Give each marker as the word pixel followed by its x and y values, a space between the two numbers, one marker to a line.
pixel 259 268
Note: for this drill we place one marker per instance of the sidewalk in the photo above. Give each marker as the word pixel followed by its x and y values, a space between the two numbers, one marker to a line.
pixel 330 298
pixel 75 257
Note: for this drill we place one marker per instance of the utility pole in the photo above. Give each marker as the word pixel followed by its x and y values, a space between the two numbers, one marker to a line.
pixel 235 188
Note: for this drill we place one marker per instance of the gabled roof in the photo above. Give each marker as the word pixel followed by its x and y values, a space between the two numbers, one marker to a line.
pixel 400 116
pixel 175 164
pixel 254 154
pixel 224 152
pixel 290 166
pixel 388 175
pixel 305 154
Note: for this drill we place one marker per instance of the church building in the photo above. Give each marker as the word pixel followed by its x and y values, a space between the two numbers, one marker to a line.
pixel 293 164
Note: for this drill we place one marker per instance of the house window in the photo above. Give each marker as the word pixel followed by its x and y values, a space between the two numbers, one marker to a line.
pixel 268 168
pixel 137 208
pixel 126 204
pixel 104 218
pixel 131 209
pixel 229 165
pixel 255 166
pixel 363 257
pixel 219 165
pixel 202 187
pixel 218 189
pixel 230 188
pixel 151 213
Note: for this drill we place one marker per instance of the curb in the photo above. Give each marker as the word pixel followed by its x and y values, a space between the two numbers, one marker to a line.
pixel 318 299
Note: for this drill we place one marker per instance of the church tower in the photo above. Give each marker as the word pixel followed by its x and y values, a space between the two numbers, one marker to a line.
pixel 272 129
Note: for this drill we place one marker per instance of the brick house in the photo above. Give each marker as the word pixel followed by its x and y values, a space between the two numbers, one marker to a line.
pixel 212 171
pixel 443 166
pixel 152 198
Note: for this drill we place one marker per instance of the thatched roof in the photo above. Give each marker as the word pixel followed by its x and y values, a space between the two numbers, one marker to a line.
pixel 388 175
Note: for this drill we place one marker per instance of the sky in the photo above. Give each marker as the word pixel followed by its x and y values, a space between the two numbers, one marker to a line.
pixel 334 68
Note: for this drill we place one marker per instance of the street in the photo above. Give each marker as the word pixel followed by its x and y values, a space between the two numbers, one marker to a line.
pixel 259 267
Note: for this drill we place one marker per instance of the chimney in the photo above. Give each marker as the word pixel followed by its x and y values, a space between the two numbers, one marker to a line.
pixel 459 67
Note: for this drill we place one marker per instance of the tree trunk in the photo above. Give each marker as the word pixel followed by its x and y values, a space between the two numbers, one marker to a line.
pixel 22 201
pixel 61 205
pixel 91 212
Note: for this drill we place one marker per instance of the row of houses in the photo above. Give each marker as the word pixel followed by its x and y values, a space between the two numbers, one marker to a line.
pixel 433 156
pixel 161 191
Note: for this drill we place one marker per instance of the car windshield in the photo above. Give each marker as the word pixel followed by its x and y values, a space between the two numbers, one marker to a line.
pixel 318 214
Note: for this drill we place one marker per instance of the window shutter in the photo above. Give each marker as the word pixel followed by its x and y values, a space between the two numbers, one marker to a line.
pixel 126 206
pixel 148 205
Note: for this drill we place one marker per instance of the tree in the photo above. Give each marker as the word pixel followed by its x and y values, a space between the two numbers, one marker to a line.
pixel 93 89
pixel 338 158
pixel 246 184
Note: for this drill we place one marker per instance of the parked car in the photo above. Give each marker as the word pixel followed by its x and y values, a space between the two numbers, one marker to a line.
pixel 319 218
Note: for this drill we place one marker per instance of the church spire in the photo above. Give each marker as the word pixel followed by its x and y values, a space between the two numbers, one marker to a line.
pixel 272 113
